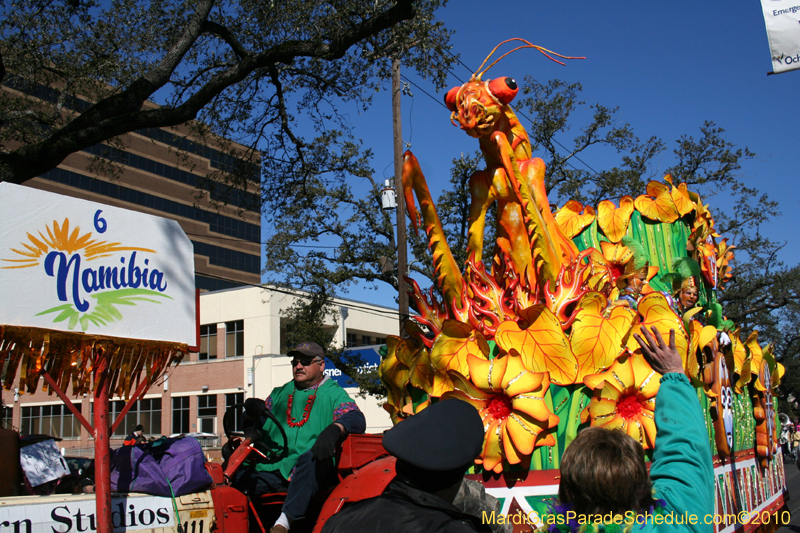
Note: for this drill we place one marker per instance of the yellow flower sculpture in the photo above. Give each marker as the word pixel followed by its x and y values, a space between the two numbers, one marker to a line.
pixel 741 361
pixel 614 220
pixel 394 371
pixel 615 256
pixel 573 217
pixel 625 398
pixel 656 312
pixel 510 400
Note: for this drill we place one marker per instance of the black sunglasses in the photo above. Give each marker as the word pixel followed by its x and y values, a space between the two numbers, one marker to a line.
pixel 305 362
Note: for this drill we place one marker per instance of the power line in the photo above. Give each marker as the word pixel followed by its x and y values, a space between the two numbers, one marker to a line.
pixel 426 93
pixel 368 310
pixel 461 62
pixel 523 115
pixel 262 242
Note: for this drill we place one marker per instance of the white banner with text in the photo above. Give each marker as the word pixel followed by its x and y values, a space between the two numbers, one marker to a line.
pixel 782 18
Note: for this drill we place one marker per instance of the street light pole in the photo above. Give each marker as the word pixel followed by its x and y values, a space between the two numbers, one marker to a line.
pixel 401 204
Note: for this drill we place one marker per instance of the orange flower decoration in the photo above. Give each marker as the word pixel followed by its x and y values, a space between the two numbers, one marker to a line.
pixel 625 398
pixel 541 343
pixel 510 400
pixel 616 257
pixel 655 312
pixel 663 203
pixel 597 340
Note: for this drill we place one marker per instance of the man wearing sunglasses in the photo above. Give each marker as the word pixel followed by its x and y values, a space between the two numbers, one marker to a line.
pixel 315 413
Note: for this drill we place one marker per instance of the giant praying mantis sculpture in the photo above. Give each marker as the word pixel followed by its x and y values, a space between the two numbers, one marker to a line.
pixel 527 231
pixel 542 343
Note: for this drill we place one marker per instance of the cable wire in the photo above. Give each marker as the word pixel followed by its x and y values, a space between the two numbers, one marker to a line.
pixel 368 310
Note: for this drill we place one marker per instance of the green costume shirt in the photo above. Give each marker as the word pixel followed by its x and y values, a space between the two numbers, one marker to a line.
pixel 331 403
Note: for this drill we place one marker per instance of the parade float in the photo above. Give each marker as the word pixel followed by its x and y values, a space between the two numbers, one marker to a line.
pixel 100 301
pixel 541 341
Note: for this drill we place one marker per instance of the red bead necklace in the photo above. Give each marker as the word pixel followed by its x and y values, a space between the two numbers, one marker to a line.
pixel 306 412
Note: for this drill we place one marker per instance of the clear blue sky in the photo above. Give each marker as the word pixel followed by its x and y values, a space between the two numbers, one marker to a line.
pixel 669 66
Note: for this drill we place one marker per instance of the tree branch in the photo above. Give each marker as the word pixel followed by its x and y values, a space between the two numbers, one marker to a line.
pixel 226 35
pixel 123 113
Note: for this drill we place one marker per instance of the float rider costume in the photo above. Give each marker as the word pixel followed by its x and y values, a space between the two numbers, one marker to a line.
pixel 314 419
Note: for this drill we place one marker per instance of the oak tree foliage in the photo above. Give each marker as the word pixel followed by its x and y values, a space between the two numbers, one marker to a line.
pixel 276 77
pixel 79 73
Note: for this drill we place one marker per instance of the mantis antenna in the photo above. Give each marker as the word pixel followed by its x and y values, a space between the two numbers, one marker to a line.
pixel 479 74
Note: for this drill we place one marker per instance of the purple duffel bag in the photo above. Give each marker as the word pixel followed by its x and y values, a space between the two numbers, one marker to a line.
pixel 151 468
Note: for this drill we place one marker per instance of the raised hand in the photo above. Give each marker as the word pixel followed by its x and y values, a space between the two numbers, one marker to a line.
pixel 662 357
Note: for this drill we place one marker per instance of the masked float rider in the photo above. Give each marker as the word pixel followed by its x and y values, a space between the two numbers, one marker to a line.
pixel 634 276
pixel 685 278
pixel 316 413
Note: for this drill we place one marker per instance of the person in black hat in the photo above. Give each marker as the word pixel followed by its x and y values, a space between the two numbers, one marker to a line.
pixel 135 436
pixel 434 449
pixel 315 413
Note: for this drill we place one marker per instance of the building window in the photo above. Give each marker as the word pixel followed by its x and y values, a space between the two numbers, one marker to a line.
pixel 207 413
pixel 230 401
pixel 380 340
pixel 366 340
pixel 234 338
pixel 352 340
pixel 208 342
pixel 144 412
pixel 180 414
pixel 55 420
pixel 6 422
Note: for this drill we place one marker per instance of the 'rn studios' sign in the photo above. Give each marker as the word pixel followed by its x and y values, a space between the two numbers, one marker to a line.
pixel 782 18
pixel 72 265
pixel 76 514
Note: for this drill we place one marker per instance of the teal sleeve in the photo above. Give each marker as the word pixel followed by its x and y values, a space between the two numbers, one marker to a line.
pixel 682 471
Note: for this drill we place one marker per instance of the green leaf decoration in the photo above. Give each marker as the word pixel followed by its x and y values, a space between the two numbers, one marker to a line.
pixel 105 310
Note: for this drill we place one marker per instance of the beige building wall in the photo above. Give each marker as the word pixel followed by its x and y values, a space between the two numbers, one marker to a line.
pixel 264 366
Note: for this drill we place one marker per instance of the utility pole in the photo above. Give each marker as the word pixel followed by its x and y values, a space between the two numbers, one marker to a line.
pixel 402 259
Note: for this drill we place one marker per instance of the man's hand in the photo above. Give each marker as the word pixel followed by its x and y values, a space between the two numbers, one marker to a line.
pixel 255 408
pixel 664 359
pixel 325 446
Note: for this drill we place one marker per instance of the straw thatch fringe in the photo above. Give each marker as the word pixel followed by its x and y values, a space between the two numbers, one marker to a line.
pixel 69 358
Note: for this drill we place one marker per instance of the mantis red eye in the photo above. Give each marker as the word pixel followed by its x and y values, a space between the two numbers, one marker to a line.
pixel 504 89
pixel 450 98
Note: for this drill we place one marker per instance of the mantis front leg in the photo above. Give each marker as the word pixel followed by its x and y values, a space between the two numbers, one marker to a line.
pixel 448 275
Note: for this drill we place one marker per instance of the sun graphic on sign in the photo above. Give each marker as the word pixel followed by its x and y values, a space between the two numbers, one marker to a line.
pixel 60 238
